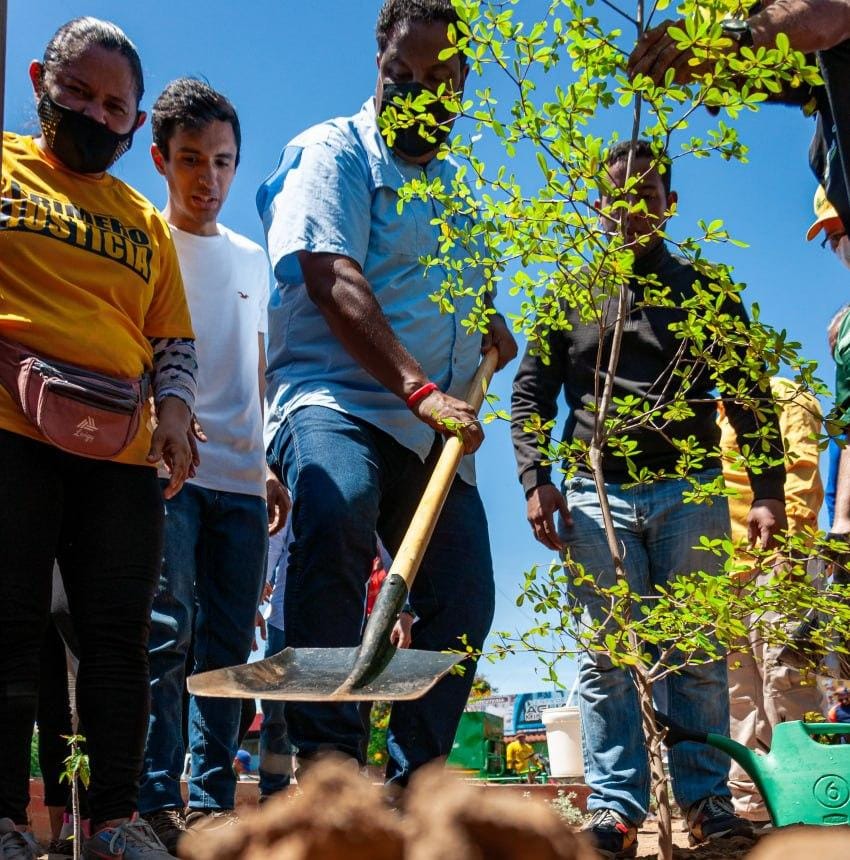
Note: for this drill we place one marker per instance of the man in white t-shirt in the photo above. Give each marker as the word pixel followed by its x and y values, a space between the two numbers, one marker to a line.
pixel 216 530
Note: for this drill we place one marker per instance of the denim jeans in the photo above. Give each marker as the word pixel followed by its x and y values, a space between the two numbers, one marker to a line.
pixel 350 480
pixel 275 748
pixel 212 574
pixel 658 533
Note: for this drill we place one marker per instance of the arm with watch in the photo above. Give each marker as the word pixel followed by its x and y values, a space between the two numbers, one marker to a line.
pixel 337 286
pixel 811 25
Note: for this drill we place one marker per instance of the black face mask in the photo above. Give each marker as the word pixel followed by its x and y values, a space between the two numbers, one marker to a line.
pixel 79 142
pixel 408 141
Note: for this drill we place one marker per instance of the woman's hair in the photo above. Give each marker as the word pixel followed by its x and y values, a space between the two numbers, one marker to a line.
pixel 77 36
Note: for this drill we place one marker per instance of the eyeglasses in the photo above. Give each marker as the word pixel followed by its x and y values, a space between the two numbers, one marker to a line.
pixel 832 239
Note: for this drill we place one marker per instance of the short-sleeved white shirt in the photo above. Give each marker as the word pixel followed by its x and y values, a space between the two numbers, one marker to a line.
pixel 227 286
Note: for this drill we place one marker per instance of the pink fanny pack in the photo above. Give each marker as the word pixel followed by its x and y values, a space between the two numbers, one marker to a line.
pixel 78 410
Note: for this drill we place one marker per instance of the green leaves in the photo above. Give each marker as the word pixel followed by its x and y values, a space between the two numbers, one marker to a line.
pixel 541 219
pixel 76 763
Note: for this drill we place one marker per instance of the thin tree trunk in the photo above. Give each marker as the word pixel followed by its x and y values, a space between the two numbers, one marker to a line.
pixel 75 809
pixel 642 683
pixel 656 764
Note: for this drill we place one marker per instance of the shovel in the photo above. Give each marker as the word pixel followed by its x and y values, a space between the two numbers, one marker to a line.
pixel 374 670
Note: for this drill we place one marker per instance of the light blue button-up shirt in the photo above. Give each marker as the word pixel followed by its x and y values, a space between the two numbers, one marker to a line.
pixel 335 191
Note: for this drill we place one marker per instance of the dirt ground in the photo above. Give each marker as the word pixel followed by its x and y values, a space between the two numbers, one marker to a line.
pixel 792 843
pixel 724 849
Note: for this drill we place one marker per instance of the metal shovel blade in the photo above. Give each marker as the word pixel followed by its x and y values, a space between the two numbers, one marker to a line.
pixel 317 674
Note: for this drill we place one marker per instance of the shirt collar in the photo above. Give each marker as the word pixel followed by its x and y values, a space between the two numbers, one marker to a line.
pixel 652 261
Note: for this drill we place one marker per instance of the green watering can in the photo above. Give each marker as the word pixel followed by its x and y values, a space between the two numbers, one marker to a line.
pixel 801 781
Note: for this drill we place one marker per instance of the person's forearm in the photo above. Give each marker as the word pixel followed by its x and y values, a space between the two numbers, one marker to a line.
pixel 535 392
pixel 355 318
pixel 767 481
pixel 175 369
pixel 811 25
pixel 841 523
pixel 748 420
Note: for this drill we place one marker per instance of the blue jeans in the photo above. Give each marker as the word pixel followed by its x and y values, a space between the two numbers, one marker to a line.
pixel 212 573
pixel 658 532
pixel 275 748
pixel 350 480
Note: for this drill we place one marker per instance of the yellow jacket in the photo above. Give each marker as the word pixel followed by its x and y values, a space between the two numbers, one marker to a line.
pixel 800 422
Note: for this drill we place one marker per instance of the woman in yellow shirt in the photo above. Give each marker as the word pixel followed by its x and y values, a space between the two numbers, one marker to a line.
pixel 88 277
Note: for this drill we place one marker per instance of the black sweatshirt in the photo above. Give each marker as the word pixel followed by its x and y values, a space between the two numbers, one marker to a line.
pixel 644 370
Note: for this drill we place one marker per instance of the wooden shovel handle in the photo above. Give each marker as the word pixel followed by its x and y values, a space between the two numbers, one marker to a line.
pixel 409 556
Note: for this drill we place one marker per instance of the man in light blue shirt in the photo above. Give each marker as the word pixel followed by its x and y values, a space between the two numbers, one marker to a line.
pixel 363 375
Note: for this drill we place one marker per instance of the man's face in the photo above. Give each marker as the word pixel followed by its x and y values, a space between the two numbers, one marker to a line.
pixel 835 236
pixel 199 169
pixel 412 56
pixel 650 190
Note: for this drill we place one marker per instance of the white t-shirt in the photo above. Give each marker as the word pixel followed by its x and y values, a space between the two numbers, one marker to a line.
pixel 227 287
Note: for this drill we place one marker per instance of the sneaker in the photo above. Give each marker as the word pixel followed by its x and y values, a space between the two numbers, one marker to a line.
pixel 169 826
pixel 714 818
pixel 210 819
pixel 15 845
pixel 132 840
pixel 613 835
pixel 60 849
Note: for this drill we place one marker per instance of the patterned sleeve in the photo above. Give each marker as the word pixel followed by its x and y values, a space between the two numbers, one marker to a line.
pixel 175 369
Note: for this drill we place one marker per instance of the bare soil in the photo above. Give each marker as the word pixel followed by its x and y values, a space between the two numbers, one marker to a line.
pixel 735 848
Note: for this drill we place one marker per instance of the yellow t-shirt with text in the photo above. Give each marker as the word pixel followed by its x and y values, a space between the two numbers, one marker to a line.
pixel 88 273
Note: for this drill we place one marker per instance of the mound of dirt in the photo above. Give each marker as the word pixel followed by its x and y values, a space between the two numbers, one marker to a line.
pixel 796 843
pixel 447 819
pixel 339 815
pixel 793 843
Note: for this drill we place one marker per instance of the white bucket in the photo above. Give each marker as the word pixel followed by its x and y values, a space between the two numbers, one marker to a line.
pixel 563 737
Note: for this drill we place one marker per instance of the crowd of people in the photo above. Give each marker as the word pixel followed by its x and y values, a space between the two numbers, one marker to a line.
pixel 162 412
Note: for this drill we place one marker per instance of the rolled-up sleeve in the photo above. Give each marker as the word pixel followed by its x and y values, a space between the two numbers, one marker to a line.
pixel 535 392
pixel 318 200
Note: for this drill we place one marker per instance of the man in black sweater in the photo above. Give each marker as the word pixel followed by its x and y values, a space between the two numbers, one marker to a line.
pixel 656 530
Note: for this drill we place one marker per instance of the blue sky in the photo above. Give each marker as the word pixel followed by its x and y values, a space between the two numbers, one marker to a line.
pixel 288 64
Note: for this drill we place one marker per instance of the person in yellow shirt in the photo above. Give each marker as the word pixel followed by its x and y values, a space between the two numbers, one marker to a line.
pixel 762 692
pixel 520 757
pixel 88 278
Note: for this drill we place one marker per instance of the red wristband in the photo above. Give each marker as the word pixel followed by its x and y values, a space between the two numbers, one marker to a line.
pixel 421 394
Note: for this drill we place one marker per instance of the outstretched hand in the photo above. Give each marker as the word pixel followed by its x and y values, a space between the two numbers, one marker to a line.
pixel 170 443
pixel 543 501
pixel 401 635
pixel 451 417
pixel 766 520
pixel 278 502
pixel 656 52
